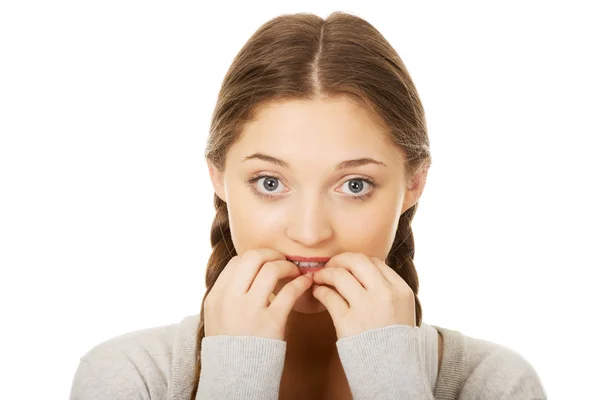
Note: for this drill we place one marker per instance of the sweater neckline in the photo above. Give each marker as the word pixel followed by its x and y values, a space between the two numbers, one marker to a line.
pixel 450 375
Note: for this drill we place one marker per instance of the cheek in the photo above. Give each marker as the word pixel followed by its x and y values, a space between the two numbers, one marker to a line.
pixel 253 228
pixel 372 234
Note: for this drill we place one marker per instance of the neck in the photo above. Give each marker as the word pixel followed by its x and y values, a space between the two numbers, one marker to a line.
pixel 310 335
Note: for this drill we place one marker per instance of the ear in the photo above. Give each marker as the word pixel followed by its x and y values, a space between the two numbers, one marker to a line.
pixel 415 188
pixel 216 178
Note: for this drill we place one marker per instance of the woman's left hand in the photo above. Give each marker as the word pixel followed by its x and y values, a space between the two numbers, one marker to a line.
pixel 368 295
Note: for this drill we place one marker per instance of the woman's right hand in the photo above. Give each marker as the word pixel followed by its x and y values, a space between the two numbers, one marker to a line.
pixel 238 304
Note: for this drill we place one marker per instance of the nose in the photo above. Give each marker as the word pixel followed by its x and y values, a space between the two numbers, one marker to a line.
pixel 309 222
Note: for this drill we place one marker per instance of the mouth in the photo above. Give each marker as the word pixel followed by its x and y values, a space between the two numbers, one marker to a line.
pixel 308 264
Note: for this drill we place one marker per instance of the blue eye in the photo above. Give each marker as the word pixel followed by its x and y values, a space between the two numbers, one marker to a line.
pixel 272 182
pixel 357 185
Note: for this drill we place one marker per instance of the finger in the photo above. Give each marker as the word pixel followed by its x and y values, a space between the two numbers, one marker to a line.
pixel 390 275
pixel 343 281
pixel 332 300
pixel 360 266
pixel 283 303
pixel 248 266
pixel 269 275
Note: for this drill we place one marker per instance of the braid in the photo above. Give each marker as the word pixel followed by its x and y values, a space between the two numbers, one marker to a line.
pixel 400 258
pixel 223 251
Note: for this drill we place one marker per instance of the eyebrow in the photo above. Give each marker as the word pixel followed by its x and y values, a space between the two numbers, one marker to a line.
pixel 342 165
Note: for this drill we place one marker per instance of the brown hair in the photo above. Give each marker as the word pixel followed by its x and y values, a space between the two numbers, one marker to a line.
pixel 303 56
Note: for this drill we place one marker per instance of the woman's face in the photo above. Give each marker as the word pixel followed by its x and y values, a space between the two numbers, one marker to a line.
pixel 305 205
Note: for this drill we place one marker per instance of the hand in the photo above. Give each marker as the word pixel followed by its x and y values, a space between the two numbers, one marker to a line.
pixel 368 294
pixel 238 304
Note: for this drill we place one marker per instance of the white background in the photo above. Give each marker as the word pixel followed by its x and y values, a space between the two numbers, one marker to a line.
pixel 106 202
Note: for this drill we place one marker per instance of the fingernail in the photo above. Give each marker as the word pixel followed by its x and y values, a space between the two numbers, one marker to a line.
pixel 309 275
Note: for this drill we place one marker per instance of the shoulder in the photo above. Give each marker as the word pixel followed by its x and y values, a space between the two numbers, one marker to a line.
pixel 132 365
pixel 484 369
pixel 480 353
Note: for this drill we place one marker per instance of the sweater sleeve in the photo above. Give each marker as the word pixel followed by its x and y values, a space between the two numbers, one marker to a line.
pixel 385 363
pixel 241 367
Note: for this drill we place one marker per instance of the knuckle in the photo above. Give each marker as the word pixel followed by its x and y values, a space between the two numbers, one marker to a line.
pixel 270 268
pixel 408 294
pixel 251 255
pixel 231 264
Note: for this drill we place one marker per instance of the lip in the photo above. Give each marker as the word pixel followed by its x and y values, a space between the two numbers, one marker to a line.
pixel 308 259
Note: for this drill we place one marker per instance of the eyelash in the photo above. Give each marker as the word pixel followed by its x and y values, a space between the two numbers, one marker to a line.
pixel 250 182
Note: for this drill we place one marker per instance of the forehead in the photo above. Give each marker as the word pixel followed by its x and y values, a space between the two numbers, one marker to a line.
pixel 318 127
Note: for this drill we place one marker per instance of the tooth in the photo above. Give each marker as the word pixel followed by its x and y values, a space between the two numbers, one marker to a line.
pixel 311 264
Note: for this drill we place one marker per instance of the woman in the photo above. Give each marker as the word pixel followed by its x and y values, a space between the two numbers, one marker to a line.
pixel 318 154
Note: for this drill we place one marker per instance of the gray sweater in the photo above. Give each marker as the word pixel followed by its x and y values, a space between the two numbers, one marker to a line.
pixel 385 363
